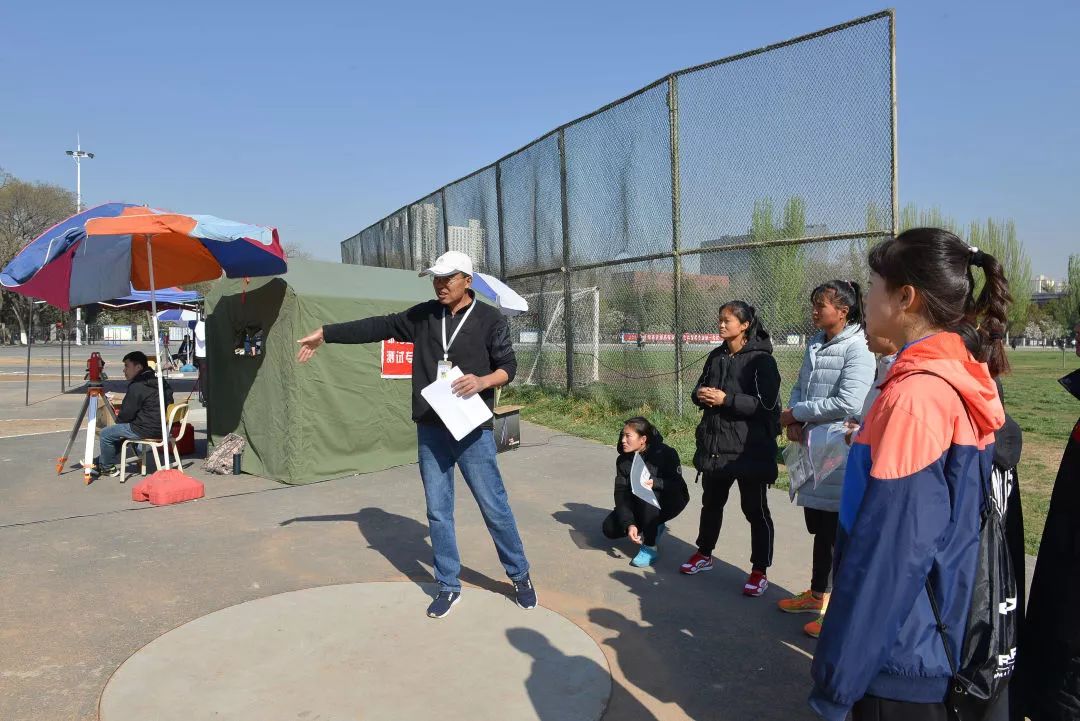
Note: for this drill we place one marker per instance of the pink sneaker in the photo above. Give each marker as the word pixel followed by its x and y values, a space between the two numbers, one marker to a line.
pixel 755 585
pixel 696 564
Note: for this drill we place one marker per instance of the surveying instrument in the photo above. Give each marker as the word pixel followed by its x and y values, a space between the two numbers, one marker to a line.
pixel 95 391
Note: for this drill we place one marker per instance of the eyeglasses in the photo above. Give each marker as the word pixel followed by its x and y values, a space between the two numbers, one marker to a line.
pixel 445 279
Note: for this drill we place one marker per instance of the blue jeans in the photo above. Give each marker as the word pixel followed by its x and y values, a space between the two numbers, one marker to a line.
pixel 112 438
pixel 475 455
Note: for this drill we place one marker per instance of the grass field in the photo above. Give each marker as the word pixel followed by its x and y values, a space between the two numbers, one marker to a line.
pixel 1045 412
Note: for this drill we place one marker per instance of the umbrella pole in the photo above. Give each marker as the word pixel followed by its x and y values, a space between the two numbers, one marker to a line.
pixel 157 352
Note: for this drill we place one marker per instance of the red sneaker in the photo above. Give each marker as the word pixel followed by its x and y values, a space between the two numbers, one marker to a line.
pixel 696 564
pixel 755 585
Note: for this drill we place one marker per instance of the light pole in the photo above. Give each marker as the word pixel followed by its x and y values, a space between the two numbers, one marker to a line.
pixel 78 154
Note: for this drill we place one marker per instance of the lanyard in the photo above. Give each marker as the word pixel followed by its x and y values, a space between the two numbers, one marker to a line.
pixel 445 345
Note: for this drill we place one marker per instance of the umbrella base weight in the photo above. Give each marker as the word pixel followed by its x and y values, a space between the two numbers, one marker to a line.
pixel 165 487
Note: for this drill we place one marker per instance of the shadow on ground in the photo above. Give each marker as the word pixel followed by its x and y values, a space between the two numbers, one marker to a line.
pixel 731 640
pixel 550 664
pixel 403 542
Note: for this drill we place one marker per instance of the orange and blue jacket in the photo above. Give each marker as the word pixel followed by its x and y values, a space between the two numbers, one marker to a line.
pixel 909 512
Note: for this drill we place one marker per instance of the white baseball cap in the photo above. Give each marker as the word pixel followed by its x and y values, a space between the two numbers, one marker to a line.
pixel 449 263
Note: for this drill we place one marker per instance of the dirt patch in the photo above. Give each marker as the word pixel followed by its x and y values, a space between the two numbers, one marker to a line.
pixel 15 427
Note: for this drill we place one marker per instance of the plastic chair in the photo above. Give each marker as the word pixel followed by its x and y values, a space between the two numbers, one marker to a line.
pixel 176 413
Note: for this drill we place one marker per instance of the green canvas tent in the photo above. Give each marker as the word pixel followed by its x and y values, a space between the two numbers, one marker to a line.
pixel 331 417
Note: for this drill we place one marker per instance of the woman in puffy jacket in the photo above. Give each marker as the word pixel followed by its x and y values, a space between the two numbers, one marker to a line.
pixel 633 516
pixel 739 394
pixel 837 373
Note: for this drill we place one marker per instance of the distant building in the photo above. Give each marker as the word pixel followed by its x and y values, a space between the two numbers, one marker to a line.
pixel 1045 284
pixel 424 233
pixel 468 239
pixel 738 262
pixel 645 281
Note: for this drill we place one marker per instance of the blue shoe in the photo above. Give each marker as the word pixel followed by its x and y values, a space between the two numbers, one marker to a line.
pixel 443 603
pixel 526 593
pixel 645 557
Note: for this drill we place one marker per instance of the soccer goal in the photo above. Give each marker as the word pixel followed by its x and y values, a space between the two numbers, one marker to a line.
pixel 539 334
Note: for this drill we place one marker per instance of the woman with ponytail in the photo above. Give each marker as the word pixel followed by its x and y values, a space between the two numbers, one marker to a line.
pixel 739 395
pixel 836 375
pixel 912 493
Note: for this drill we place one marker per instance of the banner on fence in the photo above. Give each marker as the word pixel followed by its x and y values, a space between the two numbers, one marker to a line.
pixel 713 338
pixel 396 359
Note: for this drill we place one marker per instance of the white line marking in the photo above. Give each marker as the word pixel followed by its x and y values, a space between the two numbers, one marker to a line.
pixel 799 650
pixel 43 433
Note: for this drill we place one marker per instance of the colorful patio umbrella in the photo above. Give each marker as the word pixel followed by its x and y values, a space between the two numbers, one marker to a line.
pixel 505 297
pixel 65 268
pixel 103 252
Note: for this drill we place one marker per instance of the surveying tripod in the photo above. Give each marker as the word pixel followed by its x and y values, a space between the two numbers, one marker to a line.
pixel 95 376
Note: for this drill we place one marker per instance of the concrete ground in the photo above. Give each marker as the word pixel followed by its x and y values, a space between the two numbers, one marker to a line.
pixel 89 577
pixel 358 651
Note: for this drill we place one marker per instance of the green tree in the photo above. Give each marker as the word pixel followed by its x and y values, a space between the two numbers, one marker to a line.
pixel 996 237
pixel 912 217
pixel 1069 311
pixel 999 239
pixel 781 269
pixel 26 211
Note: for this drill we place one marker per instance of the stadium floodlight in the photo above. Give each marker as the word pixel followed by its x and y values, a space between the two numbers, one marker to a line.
pixel 78 154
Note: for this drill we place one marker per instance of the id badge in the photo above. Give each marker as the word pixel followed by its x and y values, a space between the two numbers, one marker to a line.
pixel 444 369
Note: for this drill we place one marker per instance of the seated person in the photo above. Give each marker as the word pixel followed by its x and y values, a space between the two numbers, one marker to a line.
pixel 633 517
pixel 181 354
pixel 139 416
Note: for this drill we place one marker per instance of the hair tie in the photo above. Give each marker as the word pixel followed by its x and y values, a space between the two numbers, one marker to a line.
pixel 977 257
pixel 995 336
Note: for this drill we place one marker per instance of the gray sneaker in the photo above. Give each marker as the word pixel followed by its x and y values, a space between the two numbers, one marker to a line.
pixel 442 604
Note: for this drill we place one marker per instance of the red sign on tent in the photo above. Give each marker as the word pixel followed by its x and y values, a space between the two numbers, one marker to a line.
pixel 396 359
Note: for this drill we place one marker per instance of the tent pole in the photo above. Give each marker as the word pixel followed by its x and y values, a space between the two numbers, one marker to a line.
pixel 157 352
pixel 29 341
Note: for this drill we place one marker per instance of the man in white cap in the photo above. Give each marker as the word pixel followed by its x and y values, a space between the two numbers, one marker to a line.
pixel 452 330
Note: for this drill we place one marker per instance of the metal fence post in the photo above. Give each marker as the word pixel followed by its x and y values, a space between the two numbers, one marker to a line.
pixel 892 124
pixel 568 313
pixel 676 236
pixel 499 220
pixel 445 221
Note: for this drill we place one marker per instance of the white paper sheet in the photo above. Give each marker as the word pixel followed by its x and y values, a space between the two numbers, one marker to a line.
pixel 640 472
pixel 461 415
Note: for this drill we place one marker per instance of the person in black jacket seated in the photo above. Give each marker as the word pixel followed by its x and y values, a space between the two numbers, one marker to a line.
pixel 634 517
pixel 739 394
pixel 140 413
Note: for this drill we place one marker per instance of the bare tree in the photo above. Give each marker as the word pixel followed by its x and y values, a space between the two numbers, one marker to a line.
pixel 295 251
pixel 26 211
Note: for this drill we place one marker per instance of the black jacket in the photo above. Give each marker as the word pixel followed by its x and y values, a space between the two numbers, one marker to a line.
pixel 481 348
pixel 140 407
pixel 1008 444
pixel 739 436
pixel 1048 661
pixel 666 470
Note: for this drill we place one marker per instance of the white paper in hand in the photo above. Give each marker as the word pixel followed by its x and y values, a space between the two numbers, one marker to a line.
pixel 461 415
pixel 640 472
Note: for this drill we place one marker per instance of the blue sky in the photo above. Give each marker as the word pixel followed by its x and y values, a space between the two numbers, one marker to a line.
pixel 320 118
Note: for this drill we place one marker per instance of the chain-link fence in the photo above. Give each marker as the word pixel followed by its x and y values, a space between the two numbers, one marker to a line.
pixel 756 177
